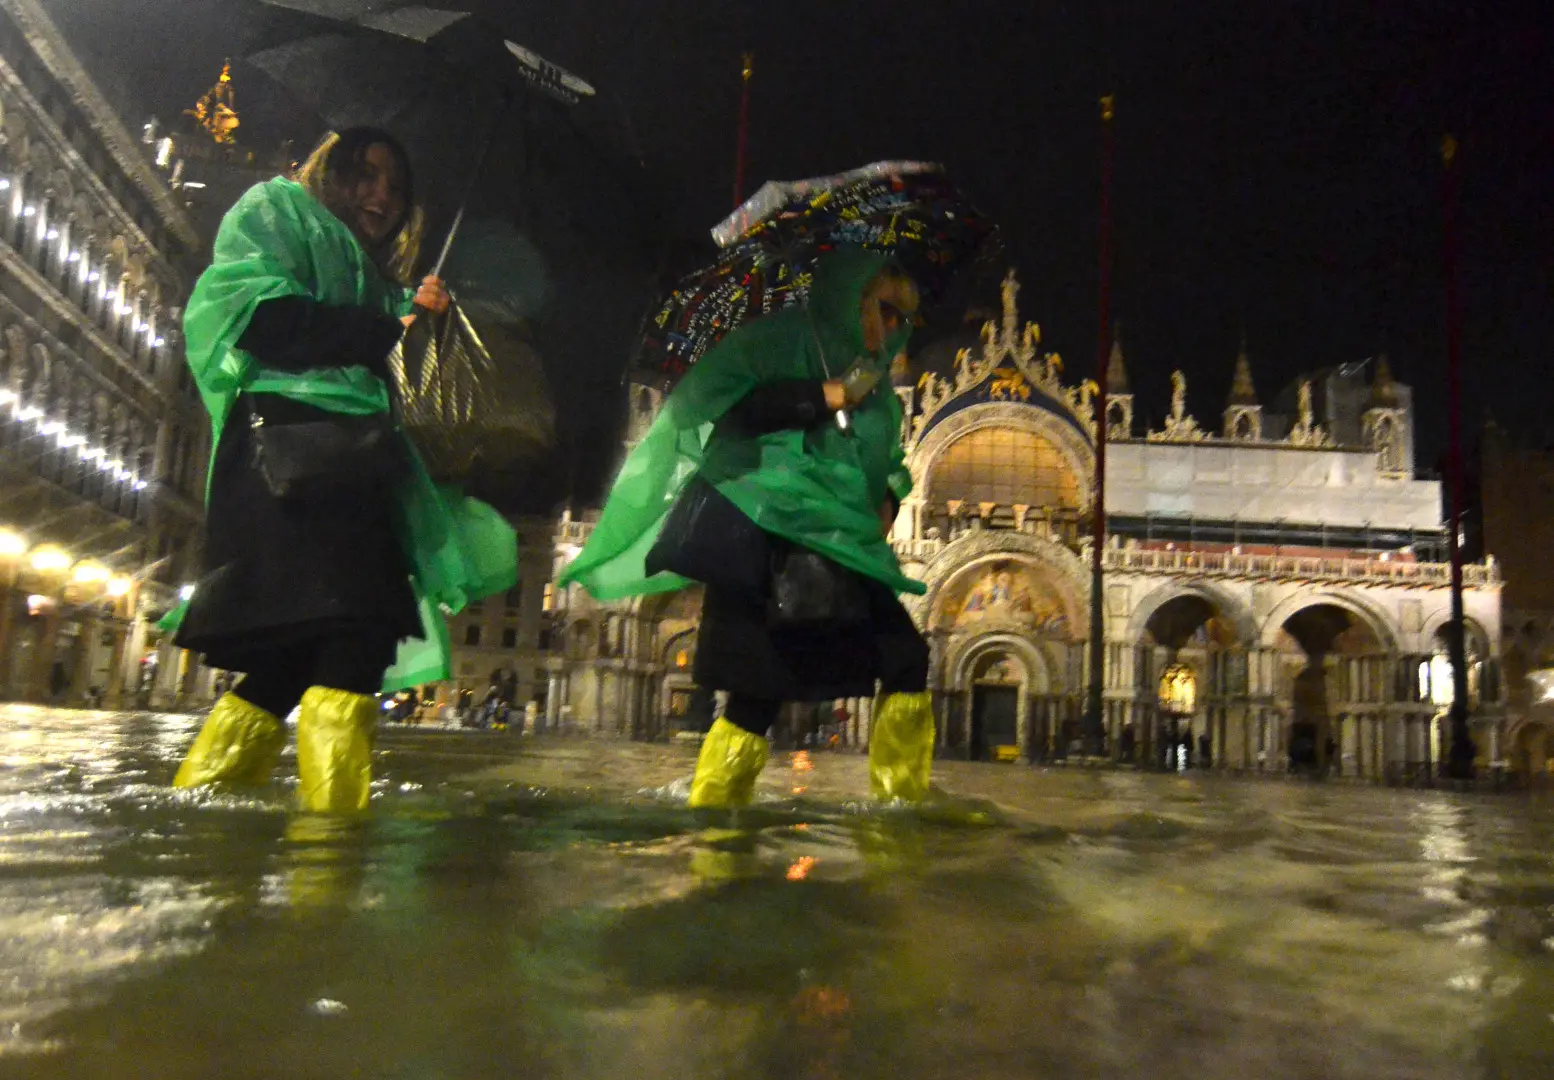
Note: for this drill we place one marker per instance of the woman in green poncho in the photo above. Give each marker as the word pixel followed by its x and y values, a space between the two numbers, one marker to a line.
pixel 756 420
pixel 311 593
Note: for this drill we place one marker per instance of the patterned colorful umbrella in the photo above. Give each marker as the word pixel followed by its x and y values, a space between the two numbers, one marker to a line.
pixel 770 245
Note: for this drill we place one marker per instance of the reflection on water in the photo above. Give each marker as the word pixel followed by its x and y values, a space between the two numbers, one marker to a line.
pixel 553 910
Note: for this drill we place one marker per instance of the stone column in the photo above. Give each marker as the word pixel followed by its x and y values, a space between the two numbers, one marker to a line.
pixel 43 658
pixel 8 601
pixel 626 698
pixel 88 641
pixel 553 693
pixel 599 679
pixel 113 693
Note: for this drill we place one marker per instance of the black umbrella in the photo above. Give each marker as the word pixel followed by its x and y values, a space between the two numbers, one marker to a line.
pixel 449 84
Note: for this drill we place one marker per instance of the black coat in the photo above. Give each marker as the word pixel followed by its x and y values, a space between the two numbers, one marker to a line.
pixel 739 651
pixel 277 572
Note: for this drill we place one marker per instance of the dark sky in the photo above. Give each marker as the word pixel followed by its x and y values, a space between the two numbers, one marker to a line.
pixel 1277 162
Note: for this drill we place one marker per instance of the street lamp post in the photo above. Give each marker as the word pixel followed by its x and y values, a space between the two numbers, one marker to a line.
pixel 1094 727
pixel 1459 761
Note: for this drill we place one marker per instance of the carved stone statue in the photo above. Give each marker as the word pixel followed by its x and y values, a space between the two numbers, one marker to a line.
pixel 1179 427
pixel 1306 432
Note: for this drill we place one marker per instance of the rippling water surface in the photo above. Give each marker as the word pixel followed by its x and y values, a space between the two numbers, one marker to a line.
pixel 551 909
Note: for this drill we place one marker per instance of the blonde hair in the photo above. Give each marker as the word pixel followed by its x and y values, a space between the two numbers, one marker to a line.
pixel 321 174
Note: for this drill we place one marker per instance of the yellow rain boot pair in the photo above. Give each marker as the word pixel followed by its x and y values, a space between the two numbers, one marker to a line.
pixel 334 750
pixel 730 760
pixel 901 746
pixel 238 745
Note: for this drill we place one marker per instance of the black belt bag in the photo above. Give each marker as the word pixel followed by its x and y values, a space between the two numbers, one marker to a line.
pixel 810 590
pixel 322 459
pixel 707 538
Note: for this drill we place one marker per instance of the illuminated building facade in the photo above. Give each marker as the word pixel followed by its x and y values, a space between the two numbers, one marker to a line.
pixel 102 437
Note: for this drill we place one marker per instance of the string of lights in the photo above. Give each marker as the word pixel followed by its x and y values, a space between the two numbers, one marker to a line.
pixel 87 274
pixel 65 439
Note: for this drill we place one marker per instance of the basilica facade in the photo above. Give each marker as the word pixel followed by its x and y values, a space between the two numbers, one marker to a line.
pixel 1275 584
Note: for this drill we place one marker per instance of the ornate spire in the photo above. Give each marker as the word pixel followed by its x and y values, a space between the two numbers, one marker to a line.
pixel 1116 374
pixel 1242 392
pixel 216 111
pixel 1384 389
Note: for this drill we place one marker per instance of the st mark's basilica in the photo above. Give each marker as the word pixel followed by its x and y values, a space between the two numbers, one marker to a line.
pixel 1275 584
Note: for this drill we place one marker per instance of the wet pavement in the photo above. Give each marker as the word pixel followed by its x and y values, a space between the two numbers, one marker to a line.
pixel 549 908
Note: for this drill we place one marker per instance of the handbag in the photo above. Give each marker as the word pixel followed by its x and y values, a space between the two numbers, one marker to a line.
pixel 809 590
pixel 707 538
pixel 469 415
pixel 323 459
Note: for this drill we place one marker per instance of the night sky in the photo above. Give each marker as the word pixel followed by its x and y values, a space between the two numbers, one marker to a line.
pixel 1277 163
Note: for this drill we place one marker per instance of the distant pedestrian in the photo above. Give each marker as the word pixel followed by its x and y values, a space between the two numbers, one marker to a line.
pixel 59 681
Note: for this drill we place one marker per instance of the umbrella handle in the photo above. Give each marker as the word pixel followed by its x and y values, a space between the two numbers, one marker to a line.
pixel 474 178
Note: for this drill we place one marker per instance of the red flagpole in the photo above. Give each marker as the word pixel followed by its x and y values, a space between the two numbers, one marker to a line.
pixel 1094 722
pixel 744 129
pixel 1459 761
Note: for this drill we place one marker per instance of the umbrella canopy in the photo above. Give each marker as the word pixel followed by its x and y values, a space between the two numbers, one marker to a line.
pixel 564 233
pixel 445 82
pixel 770 244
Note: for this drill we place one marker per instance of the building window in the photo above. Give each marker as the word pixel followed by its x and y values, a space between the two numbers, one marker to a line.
pixel 509 637
pixel 472 635
pixel 515 597
pixel 1005 467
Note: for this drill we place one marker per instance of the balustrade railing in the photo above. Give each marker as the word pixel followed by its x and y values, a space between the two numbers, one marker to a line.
pixel 1356 568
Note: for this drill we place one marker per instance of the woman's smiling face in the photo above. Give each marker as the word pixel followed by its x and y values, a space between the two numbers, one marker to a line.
pixel 376 194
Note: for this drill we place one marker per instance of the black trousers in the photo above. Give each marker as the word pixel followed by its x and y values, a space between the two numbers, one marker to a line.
pixel 352 661
pixel 902 660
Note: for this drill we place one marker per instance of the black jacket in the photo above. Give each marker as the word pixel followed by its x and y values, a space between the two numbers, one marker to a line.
pixel 277 572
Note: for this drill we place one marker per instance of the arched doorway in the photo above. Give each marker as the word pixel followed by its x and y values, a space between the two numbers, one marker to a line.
pixel 998 681
pixel 1437 682
pixel 1002 632
pixel 1319 648
pixel 1191 675
pixel 671 623
pixel 685 706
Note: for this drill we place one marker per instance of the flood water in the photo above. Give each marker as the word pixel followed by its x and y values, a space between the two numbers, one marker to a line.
pixel 514 907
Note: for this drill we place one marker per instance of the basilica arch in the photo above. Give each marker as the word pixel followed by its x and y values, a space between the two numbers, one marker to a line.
pixel 1362 609
pixel 1224 603
pixel 1034 419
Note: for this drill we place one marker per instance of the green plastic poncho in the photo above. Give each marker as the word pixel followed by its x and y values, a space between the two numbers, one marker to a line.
pixel 820 488
pixel 279 241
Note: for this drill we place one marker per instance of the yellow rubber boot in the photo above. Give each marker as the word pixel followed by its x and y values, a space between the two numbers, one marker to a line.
pixel 334 750
pixel 730 760
pixel 238 745
pixel 901 747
